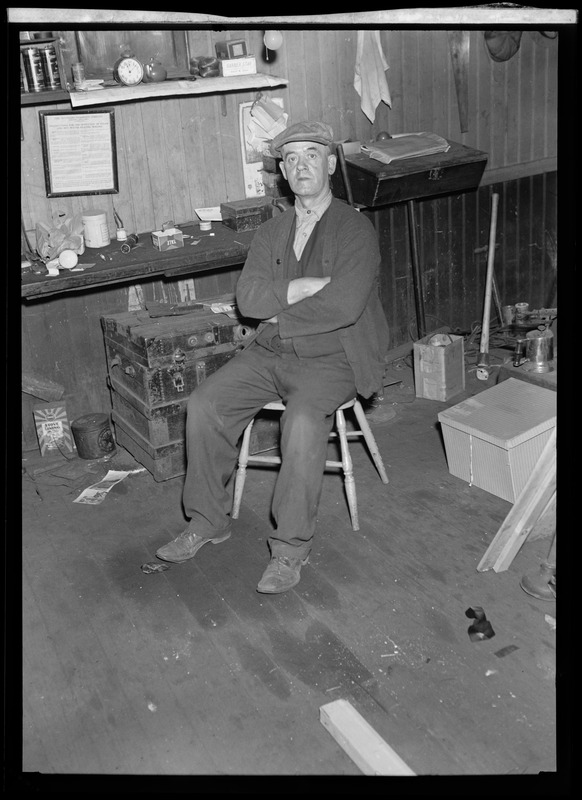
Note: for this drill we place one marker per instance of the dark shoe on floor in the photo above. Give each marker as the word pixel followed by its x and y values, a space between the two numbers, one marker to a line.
pixel 281 574
pixel 186 545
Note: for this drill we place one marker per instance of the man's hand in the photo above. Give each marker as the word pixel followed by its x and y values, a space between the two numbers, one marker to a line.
pixel 300 288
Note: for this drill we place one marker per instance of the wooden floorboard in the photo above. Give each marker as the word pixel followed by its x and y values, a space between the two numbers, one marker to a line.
pixel 192 672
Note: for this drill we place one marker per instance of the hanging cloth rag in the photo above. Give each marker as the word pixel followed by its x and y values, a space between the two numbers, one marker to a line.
pixel 370 79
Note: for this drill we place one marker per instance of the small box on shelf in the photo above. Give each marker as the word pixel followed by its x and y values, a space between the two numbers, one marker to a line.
pixel 246 215
pixel 168 239
pixel 235 48
pixel 230 67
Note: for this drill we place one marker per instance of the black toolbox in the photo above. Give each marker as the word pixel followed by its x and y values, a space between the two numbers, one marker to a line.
pixel 374 183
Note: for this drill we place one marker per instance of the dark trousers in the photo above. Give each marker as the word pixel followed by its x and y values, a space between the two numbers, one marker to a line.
pixel 220 409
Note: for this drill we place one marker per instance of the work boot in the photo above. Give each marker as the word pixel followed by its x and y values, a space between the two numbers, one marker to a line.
pixel 282 573
pixel 187 544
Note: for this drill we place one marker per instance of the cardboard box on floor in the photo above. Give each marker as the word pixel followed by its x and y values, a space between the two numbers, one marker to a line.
pixel 439 366
pixel 494 439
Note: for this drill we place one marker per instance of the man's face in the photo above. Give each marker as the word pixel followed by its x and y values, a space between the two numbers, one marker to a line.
pixel 307 166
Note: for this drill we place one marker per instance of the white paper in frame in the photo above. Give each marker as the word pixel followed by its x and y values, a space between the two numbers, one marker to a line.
pixel 79 152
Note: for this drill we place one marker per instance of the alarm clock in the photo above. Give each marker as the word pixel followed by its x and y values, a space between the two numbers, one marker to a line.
pixel 128 71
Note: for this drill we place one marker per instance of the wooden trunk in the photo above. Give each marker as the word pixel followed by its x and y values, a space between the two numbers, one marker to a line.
pixel 153 366
pixel 164 359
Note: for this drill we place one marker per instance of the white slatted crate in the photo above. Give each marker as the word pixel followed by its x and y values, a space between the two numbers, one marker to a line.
pixel 494 439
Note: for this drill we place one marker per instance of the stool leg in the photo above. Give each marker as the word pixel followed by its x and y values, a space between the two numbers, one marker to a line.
pixel 348 469
pixel 370 441
pixel 241 473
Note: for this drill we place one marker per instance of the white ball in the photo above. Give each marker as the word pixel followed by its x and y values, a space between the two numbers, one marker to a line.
pixel 273 40
pixel 68 259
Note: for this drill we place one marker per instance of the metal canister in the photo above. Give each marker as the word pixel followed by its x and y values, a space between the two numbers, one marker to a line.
pixel 521 310
pixel 507 314
pixel 93 436
pixel 129 243
pixel 50 67
pixel 78 72
pixel 33 69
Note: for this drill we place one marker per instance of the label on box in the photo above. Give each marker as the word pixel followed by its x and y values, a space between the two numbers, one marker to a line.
pixel 238 66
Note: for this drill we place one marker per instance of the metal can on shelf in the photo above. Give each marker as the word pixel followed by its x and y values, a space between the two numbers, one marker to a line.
pixel 50 66
pixel 78 72
pixel 33 69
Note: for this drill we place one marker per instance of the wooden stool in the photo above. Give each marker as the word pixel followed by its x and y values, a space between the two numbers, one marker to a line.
pixel 346 463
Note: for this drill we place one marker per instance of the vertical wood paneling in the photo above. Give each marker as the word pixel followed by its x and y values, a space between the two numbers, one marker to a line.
pixel 425 78
pixel 470 266
pixel 526 74
pixel 411 84
pixel 345 45
pixel 178 154
pixel 438 122
pixel 480 97
pixel 297 91
pixel 332 102
pixel 512 116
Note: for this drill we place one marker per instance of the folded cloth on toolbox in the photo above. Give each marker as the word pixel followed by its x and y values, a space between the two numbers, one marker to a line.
pixel 405 145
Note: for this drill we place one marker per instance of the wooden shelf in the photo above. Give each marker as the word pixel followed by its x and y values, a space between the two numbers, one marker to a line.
pixel 37 98
pixel 173 88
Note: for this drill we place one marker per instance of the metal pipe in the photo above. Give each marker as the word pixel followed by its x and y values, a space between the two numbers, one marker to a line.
pixel 416 271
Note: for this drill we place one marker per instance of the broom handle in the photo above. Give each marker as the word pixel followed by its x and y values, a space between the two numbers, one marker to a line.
pixel 484 346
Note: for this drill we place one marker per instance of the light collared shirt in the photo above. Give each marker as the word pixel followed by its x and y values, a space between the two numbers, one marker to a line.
pixel 306 220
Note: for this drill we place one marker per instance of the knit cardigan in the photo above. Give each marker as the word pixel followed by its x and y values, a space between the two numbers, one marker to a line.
pixel 349 303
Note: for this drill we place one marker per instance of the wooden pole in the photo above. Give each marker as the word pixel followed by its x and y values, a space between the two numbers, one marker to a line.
pixel 483 360
pixel 344 171
pixel 416 271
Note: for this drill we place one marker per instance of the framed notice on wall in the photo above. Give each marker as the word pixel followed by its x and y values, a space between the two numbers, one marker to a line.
pixel 79 152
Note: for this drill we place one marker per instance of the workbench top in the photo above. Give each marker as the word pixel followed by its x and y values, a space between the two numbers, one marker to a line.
pixel 226 248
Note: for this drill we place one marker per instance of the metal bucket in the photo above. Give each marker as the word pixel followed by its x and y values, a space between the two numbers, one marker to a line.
pixel 93 436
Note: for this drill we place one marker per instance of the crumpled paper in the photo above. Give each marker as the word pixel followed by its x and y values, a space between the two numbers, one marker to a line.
pixel 66 235
pixel 267 120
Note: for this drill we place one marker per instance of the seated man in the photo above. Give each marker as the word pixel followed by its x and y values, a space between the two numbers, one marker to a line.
pixel 311 279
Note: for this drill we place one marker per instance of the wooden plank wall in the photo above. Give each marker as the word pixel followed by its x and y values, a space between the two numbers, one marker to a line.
pixel 178 154
pixel 453 234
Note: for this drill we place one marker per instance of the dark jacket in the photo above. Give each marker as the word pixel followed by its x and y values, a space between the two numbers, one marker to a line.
pixel 349 303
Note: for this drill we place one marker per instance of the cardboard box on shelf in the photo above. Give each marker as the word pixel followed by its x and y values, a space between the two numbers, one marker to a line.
pixel 237 66
pixel 169 239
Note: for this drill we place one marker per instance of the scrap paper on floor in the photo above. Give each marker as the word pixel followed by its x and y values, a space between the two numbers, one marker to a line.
pixel 97 492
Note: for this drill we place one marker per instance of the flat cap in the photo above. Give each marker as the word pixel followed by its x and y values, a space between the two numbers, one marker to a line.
pixel 302 132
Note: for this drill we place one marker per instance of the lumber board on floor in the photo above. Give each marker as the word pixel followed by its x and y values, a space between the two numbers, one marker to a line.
pixel 532 501
pixel 364 746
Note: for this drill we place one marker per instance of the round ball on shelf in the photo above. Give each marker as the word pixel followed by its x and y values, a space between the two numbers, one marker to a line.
pixel 273 40
pixel 382 136
pixel 68 259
